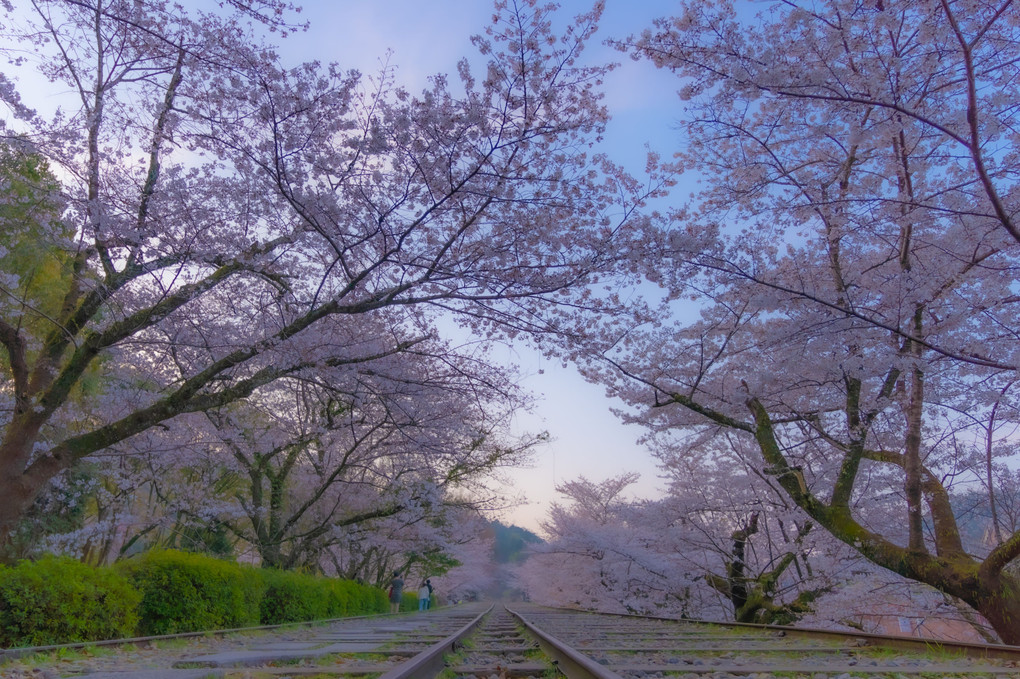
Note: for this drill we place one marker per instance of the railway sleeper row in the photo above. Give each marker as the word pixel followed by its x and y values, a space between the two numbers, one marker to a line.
pixel 633 646
pixel 499 649
pixel 480 641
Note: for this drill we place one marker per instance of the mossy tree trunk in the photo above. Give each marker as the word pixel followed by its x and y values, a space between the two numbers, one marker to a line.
pixel 754 597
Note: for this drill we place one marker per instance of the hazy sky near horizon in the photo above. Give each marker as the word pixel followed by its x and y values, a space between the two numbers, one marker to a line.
pixel 424 38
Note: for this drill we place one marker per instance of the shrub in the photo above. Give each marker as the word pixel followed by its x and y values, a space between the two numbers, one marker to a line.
pixel 294 597
pixel 364 599
pixel 61 600
pixel 183 592
pixel 341 597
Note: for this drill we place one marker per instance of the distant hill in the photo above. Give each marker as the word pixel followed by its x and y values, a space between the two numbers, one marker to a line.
pixel 511 541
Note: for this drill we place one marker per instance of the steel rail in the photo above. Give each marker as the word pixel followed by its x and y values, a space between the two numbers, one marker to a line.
pixel 430 662
pixel 570 661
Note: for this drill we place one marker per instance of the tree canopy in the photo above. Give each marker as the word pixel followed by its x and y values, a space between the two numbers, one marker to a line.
pixel 229 282
pixel 216 220
pixel 852 252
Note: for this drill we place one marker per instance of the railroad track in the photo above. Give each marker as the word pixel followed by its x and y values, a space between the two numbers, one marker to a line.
pixel 635 646
pixel 523 640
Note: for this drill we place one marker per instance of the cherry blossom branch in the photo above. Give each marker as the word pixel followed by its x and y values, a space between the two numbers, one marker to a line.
pixel 1001 556
pixel 948 542
pixel 974 146
pixel 724 266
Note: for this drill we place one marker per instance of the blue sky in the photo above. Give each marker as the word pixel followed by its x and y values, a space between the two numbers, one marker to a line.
pixel 430 37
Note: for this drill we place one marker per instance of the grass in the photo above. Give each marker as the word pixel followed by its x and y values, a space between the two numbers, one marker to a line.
pixel 61 655
pixel 31 664
pixel 537 654
pixel 451 660
pixel 270 674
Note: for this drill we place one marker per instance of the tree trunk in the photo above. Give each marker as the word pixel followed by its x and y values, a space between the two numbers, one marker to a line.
pixel 912 445
pixel 736 570
pixel 17 498
pixel 1001 607
pixel 983 585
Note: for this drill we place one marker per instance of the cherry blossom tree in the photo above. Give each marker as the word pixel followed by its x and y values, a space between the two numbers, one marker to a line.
pixel 430 537
pixel 736 527
pixel 455 552
pixel 604 552
pixel 476 575
pixel 875 600
pixel 721 544
pixel 222 215
pixel 853 249
pixel 714 560
pixel 594 556
pixel 158 489
pixel 434 423
pixel 284 471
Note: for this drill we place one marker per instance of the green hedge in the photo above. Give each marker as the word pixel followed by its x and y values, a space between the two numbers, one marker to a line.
pixel 185 592
pixel 291 597
pixel 294 596
pixel 60 600
pixel 362 599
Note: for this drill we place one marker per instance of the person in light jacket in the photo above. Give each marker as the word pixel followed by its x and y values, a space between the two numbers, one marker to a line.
pixel 423 596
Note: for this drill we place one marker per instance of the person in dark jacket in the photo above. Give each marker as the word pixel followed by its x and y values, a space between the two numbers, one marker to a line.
pixel 396 591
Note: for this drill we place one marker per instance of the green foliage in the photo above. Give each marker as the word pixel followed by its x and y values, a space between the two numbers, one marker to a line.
pixel 203 538
pixel 37 270
pixel 292 597
pixel 361 599
pixel 60 600
pixel 183 592
pixel 409 600
pixel 435 562
pixel 511 541
pixel 35 245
